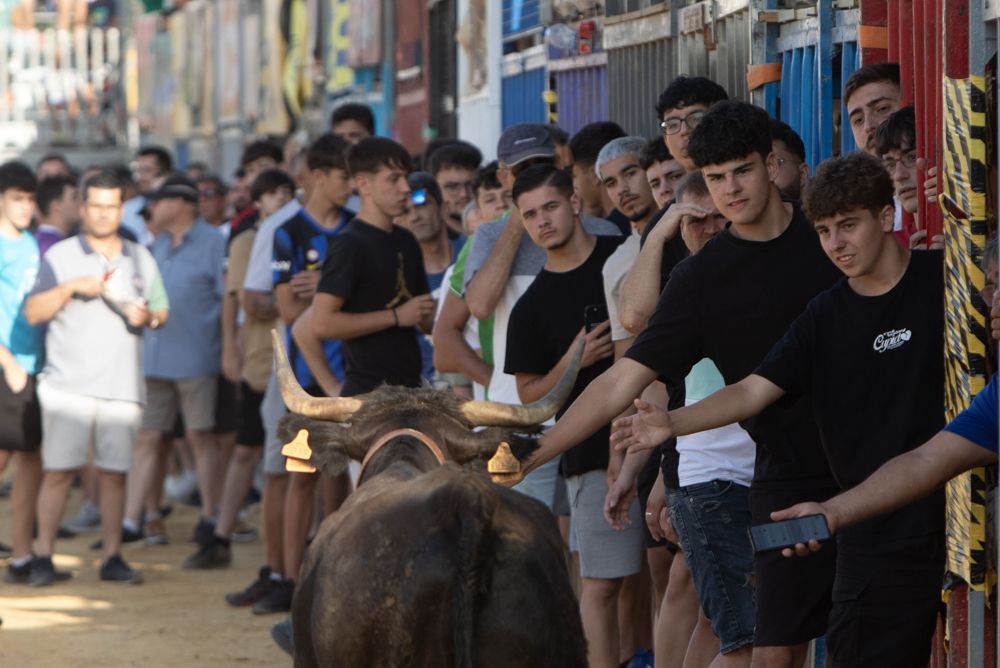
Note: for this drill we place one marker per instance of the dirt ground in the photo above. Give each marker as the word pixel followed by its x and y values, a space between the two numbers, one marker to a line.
pixel 176 618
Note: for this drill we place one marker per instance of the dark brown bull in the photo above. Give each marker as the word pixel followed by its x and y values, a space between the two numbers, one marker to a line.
pixel 428 563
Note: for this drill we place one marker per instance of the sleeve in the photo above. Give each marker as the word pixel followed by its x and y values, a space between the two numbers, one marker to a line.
pixel 283 257
pixel 672 342
pixel 978 422
pixel 339 268
pixel 483 242
pixel 789 362
pixel 46 278
pixel 239 256
pixel 156 293
pixel 525 352
pixel 258 275
pixel 456 284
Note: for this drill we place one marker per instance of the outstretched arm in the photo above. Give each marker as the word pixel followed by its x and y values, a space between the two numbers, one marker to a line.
pixel 900 481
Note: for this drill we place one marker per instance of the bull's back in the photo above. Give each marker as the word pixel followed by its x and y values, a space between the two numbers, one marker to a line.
pixel 442 570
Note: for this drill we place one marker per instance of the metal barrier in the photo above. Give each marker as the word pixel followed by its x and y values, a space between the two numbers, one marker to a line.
pixel 581 84
pixel 58 86
pixel 523 86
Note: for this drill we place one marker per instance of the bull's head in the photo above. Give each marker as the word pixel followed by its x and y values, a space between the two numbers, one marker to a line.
pixel 446 418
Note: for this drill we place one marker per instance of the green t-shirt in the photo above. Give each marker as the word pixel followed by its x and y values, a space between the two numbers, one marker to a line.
pixel 456 286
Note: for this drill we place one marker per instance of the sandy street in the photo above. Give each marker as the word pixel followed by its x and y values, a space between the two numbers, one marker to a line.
pixel 177 618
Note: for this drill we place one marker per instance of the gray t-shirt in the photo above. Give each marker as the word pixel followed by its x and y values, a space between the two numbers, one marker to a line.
pixel 528 261
pixel 89 347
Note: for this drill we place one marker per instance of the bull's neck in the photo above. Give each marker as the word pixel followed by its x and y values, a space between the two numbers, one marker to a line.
pixel 403 459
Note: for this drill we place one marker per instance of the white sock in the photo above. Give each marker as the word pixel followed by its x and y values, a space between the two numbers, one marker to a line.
pixel 276 577
pixel 23 561
pixel 130 525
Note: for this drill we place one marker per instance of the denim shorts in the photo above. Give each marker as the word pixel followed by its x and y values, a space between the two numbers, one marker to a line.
pixel 712 520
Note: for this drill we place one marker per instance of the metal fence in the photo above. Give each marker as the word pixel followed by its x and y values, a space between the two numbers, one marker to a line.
pixel 581 85
pixel 523 87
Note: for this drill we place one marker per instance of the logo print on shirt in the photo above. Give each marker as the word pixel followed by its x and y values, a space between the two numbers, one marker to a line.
pixel 402 291
pixel 890 340
pixel 312 259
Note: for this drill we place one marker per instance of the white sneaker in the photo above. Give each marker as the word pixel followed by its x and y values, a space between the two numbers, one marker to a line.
pixel 179 487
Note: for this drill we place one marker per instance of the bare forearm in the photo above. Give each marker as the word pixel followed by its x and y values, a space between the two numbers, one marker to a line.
pixel 311 349
pixel 452 354
pixel 604 398
pixel 487 286
pixel 640 288
pixel 45 305
pixel 290 307
pixel 342 325
pixel 730 404
pixel 230 308
pixel 537 387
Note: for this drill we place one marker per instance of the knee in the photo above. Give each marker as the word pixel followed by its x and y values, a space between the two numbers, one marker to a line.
pixel 602 590
pixel 245 456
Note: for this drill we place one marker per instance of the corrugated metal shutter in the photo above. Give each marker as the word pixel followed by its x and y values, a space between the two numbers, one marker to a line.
pixel 581 85
pixel 523 85
pixel 632 90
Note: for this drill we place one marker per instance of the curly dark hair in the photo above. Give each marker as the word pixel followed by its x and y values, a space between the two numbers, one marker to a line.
pixel 729 131
pixel 848 183
pixel 898 132
pixel 685 91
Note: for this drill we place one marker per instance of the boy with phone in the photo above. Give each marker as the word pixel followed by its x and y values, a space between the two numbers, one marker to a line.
pixel 545 326
pixel 867 354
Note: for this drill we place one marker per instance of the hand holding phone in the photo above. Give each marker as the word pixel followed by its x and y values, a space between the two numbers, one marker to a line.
pixel 786 533
pixel 594 315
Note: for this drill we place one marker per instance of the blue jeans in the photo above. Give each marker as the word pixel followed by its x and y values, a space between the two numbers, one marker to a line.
pixel 712 520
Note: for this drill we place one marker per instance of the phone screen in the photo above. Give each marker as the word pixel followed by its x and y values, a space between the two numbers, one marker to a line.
pixel 776 535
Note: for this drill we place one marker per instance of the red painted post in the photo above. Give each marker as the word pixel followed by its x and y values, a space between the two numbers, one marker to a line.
pixel 875 13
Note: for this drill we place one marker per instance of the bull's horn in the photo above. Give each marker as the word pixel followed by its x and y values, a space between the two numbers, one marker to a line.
pixel 496 414
pixel 333 409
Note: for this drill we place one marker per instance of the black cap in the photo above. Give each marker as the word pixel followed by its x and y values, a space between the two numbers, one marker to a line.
pixel 175 185
pixel 424 181
pixel 525 141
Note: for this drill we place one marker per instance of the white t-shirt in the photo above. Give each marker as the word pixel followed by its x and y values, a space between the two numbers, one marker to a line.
pixel 259 277
pixel 725 453
pixel 615 268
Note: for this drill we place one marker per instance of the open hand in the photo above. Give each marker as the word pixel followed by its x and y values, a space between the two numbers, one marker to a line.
pixel 645 430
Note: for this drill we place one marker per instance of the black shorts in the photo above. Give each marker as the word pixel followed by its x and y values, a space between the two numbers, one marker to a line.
pixel 250 425
pixel 885 604
pixel 792 595
pixel 20 418
pixel 644 485
pixel 226 407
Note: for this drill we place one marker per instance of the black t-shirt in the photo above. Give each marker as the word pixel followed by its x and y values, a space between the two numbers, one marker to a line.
pixel 731 303
pixel 542 326
pixel 674 250
pixel 374 270
pixel 874 370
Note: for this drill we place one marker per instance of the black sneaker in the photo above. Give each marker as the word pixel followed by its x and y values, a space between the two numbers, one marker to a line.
pixel 22 574
pixel 128 536
pixel 204 532
pixel 278 598
pixel 253 593
pixel 5 551
pixel 114 569
pixel 43 573
pixel 214 555
pixel 281 633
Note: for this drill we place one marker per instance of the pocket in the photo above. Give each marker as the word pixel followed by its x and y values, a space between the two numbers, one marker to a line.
pixel 709 490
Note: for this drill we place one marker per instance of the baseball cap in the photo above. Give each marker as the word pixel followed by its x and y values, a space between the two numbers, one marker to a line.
pixel 423 181
pixel 524 141
pixel 176 185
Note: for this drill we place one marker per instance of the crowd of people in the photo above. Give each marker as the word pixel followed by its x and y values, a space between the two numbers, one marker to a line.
pixel 755 341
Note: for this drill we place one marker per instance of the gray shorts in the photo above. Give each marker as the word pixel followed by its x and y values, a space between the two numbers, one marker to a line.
pixel 73 423
pixel 193 397
pixel 605 554
pixel 272 409
pixel 541 483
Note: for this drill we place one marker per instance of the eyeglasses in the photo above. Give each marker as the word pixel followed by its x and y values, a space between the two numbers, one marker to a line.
pixel 908 160
pixel 672 126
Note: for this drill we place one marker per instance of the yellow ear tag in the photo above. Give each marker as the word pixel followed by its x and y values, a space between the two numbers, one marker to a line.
pixel 503 461
pixel 298 447
pixel 293 465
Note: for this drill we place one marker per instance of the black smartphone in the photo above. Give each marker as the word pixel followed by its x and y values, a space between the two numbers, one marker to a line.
pixel 594 315
pixel 777 535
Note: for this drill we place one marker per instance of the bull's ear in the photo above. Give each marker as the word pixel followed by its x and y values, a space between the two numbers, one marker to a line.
pixel 315 444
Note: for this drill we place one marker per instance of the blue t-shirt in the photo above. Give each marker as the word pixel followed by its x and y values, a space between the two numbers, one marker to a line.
pixel 18 269
pixel 300 245
pixel 978 422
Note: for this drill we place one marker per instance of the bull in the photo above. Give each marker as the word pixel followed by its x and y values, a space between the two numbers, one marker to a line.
pixel 429 562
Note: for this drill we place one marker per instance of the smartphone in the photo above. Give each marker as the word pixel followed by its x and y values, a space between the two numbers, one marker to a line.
pixel 777 535
pixel 594 315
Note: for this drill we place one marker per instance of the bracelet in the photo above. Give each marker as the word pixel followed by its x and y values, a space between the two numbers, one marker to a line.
pixel 395 317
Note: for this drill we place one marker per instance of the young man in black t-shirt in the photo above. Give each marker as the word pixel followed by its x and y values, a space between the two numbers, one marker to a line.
pixel 731 303
pixel 867 353
pixel 373 290
pixel 544 327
